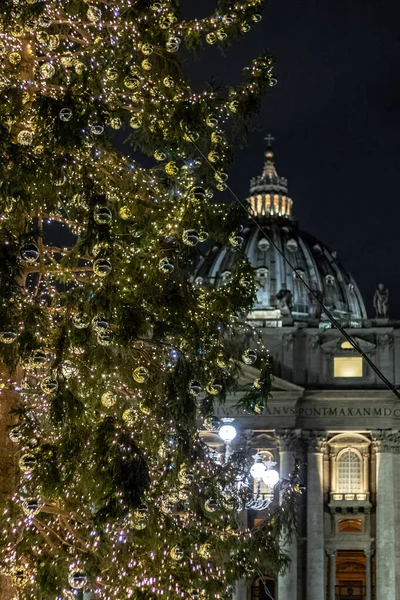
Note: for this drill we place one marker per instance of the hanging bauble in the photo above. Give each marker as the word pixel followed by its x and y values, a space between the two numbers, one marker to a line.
pixel 147 49
pixel 108 399
pixel 20 576
pixel 158 155
pixel 212 423
pixel 131 82
pixel 65 114
pixel 102 267
pixel 111 74
pixel 171 168
pixel 77 579
pixel 221 176
pixel 3 49
pixel 203 236
pixel 168 81
pixel 233 106
pixel 53 41
pixel 197 193
pixel 47 70
pixel 15 435
pixel 258 383
pixel 141 374
pixel 14 58
pixel 144 408
pixel 156 6
pixel 49 385
pixel 221 35
pixel 205 551
pixel 245 27
pixel 104 338
pixel 38 358
pixel 235 240
pixel 31 506
pixel 44 21
pixel 27 462
pixel 173 44
pixel 211 38
pixel 115 123
pixel 96 128
pixel 135 122
pixel 100 323
pixel 125 213
pixel 230 502
pixel 130 416
pixel 221 361
pixel 176 553
pixel 81 320
pixel 140 518
pixel 211 121
pixel 67 60
pixel 228 19
pixel 256 17
pixel 213 156
pixel 214 387
pixel 195 388
pixel 8 337
pixel 221 187
pixel 102 215
pixel 216 138
pixel 190 237
pixel 249 356
pixel 93 14
pixel 25 137
pixel 165 265
pixel 185 477
pixel 68 369
pixel 146 65
pixel 273 81
pixel 211 505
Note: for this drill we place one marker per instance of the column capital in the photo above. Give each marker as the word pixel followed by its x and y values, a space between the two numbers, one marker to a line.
pixel 315 439
pixel 386 440
pixel 331 553
pixel 289 439
pixel 368 553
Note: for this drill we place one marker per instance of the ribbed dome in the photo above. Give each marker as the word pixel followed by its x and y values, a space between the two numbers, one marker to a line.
pixel 283 294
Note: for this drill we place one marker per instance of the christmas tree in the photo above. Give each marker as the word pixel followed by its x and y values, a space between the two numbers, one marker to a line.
pixel 111 352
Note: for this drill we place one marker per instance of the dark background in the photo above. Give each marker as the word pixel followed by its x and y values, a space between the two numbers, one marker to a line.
pixel 335 116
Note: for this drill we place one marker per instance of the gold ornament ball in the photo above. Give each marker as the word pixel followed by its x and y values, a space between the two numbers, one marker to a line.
pixel 47 70
pixel 203 236
pixel 205 551
pixel 211 38
pixel 25 137
pixel 49 385
pixel 125 213
pixel 144 408
pixel 136 122
pixel 213 387
pixel 166 266
pixel 102 267
pixel 3 49
pixel 53 41
pixel 20 576
pixel 79 68
pixel 111 74
pixel 221 35
pixel 159 155
pixel 172 168
pixel 94 14
pixel 146 65
pixel 147 49
pixel 17 31
pixel 249 356
pixel 130 416
pixel 190 237
pixel 68 60
pixel 258 383
pixel 131 82
pixel 213 156
pixel 233 106
pixel 176 553
pixel 115 123
pixel 168 82
pixel 141 375
pixel 108 399
pixel 27 462
pixel 31 506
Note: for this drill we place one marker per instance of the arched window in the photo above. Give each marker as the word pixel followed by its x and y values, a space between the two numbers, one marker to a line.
pixel 349 472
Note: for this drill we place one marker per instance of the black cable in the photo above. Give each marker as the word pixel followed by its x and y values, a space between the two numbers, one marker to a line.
pixel 331 318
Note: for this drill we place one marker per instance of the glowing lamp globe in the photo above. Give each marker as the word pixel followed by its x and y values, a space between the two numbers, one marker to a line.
pixel 227 433
pixel 257 470
pixel 271 477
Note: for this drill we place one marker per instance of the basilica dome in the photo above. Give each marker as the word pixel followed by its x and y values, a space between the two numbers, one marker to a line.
pixel 267 242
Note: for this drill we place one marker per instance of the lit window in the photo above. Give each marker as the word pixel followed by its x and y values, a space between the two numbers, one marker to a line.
pixel 349 472
pixel 346 345
pixel 350 525
pixel 348 366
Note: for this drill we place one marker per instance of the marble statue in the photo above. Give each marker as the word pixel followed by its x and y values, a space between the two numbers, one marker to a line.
pixel 284 297
pixel 381 302
pixel 315 309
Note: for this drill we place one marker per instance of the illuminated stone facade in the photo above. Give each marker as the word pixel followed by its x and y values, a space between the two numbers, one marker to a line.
pixel 328 408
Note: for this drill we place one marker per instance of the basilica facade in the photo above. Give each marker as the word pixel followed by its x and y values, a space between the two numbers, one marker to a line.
pixel 328 408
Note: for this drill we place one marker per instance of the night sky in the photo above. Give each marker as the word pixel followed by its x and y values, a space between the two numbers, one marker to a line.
pixel 335 117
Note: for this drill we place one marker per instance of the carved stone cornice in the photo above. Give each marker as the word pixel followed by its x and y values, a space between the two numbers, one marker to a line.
pixel 386 440
pixel 290 440
pixel 316 440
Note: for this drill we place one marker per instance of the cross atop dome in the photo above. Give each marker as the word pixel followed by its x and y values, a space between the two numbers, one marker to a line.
pixel 268 192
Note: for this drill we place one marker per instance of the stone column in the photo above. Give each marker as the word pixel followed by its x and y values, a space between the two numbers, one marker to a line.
pixel 396 471
pixel 332 573
pixel 289 445
pixel 368 581
pixel 385 516
pixel 315 516
pixel 240 592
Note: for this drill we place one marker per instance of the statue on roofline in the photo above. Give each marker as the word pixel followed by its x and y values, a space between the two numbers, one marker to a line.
pixel 381 302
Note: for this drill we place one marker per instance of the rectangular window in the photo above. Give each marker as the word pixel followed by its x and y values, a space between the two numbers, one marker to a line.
pixel 347 366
